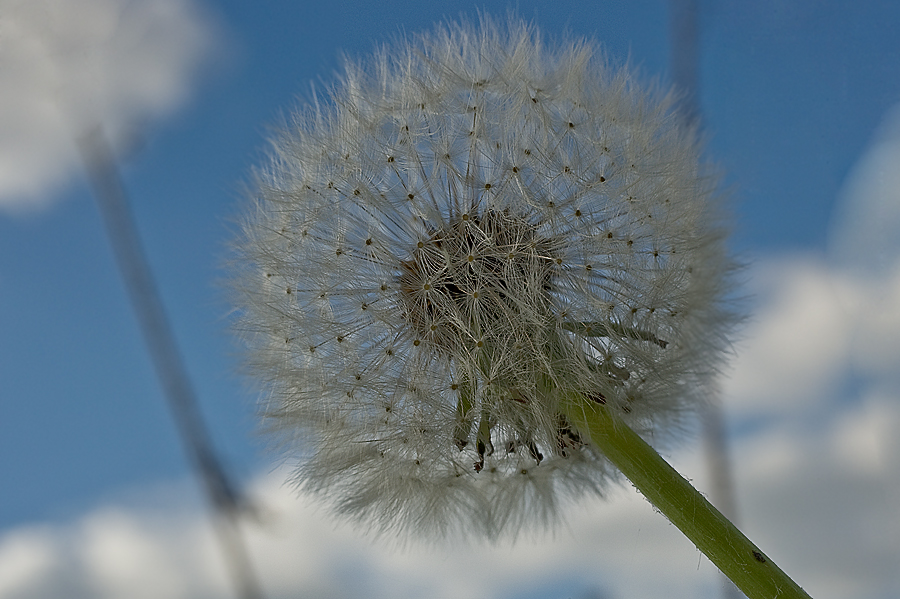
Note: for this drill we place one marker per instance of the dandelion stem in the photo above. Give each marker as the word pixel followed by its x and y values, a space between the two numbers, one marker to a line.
pixel 733 553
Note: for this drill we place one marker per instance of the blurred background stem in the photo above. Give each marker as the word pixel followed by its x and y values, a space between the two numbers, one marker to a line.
pixel 134 268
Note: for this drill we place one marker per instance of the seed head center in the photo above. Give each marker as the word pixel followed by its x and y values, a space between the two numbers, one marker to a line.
pixel 476 279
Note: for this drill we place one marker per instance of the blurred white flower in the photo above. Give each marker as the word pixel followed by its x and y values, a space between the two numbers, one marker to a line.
pixel 471 228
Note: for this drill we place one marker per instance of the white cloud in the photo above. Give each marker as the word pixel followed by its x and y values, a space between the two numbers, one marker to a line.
pixel 819 482
pixel 621 546
pixel 824 503
pixel 65 66
pixel 865 233
pixel 865 245
pixel 26 555
pixel 815 326
pixel 821 502
pixel 820 320
pixel 795 348
pixel 138 555
pixel 818 488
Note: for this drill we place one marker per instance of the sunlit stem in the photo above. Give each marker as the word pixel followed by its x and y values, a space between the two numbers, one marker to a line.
pixel 465 406
pixel 483 438
pixel 740 560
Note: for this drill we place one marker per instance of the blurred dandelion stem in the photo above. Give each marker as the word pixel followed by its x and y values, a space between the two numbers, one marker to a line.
pixel 112 200
pixel 733 553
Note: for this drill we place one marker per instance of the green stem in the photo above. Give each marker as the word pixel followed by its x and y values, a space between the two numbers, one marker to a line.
pixel 740 560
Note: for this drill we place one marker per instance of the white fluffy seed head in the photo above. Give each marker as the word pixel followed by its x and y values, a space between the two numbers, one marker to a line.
pixel 471 227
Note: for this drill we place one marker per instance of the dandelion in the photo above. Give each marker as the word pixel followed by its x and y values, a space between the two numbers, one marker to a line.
pixel 478 279
pixel 469 232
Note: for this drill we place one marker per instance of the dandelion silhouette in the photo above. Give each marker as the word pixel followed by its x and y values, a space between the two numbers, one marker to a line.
pixel 476 254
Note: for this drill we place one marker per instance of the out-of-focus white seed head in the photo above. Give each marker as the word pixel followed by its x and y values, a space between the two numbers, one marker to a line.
pixel 472 227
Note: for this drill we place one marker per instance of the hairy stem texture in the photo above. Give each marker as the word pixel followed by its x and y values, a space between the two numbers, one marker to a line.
pixel 733 553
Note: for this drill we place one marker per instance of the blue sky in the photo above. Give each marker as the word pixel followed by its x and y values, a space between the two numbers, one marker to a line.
pixel 797 100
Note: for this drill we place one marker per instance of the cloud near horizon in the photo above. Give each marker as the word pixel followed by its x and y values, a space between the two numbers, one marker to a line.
pixel 67 66
pixel 818 487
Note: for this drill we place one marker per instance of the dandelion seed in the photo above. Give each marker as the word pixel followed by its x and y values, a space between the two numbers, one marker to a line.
pixel 497 288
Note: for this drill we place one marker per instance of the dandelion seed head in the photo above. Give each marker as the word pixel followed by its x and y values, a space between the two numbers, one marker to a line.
pixel 473 226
